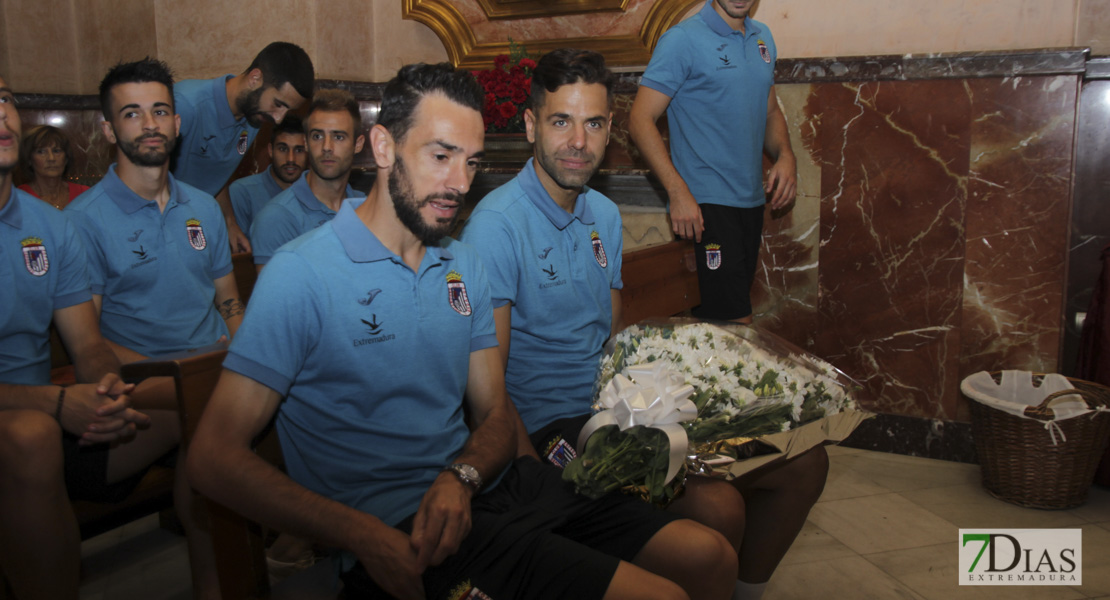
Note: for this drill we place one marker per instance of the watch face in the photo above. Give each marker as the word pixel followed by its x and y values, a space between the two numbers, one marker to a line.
pixel 469 471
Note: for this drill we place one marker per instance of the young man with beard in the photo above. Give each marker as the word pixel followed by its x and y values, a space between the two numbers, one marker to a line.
pixel 366 335
pixel 56 443
pixel 552 247
pixel 220 118
pixel 332 128
pixel 288 159
pixel 159 262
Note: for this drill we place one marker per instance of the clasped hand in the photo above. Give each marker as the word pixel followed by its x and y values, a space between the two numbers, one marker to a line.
pixel 101 412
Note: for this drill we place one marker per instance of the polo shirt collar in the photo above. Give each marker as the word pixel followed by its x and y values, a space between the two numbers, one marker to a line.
pixel 270 184
pixel 11 214
pixel 718 26
pixel 530 183
pixel 360 244
pixel 308 199
pixel 224 117
pixel 128 201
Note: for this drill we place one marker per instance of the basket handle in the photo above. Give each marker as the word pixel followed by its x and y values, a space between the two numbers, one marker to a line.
pixel 1054 395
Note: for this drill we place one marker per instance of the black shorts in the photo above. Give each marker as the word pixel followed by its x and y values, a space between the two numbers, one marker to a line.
pixel 86 473
pixel 727 258
pixel 533 537
pixel 556 441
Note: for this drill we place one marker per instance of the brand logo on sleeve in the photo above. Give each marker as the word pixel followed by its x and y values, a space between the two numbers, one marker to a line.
pixel 196 234
pixel 713 256
pixel 34 256
pixel 456 294
pixel 599 249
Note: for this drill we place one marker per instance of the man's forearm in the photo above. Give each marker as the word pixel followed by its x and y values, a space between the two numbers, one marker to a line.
pixel 648 139
pixel 96 363
pixel 493 442
pixel 776 139
pixel 43 398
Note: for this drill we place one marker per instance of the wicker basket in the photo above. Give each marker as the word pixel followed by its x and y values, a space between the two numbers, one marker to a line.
pixel 1021 464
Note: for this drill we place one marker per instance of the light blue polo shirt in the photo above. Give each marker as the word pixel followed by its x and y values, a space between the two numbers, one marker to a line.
pixel 718 80
pixel 371 357
pixel 212 141
pixel 155 270
pixel 42 265
pixel 250 194
pixel 557 270
pixel 292 213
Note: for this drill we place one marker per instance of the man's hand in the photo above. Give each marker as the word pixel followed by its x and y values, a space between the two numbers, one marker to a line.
pixel 98 417
pixel 239 240
pixel 782 179
pixel 391 560
pixel 443 520
pixel 686 221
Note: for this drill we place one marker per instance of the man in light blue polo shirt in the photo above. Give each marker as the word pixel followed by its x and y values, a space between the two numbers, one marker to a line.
pixel 366 335
pixel 333 131
pixel 159 261
pixel 288 159
pixel 220 118
pixel 56 443
pixel 713 74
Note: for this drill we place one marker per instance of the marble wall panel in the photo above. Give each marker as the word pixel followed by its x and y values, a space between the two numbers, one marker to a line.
pixel 894 164
pixel 1017 223
pixel 784 294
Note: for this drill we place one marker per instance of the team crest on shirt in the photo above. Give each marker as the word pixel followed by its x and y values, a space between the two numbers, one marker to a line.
pixel 599 250
pixel 456 294
pixel 764 53
pixel 196 234
pixel 466 591
pixel 244 142
pixel 713 256
pixel 34 256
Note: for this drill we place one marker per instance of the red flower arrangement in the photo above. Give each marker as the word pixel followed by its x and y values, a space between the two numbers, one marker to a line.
pixel 507 85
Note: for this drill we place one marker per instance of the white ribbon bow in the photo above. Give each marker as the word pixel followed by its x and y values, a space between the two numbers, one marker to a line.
pixel 653 396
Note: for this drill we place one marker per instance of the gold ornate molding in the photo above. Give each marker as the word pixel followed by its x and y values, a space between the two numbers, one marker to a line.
pixel 464 50
pixel 515 9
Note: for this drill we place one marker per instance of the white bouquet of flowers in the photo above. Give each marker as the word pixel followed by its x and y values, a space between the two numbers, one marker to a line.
pixel 682 396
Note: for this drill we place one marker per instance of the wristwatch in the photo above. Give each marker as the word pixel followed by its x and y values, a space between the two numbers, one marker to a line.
pixel 467 474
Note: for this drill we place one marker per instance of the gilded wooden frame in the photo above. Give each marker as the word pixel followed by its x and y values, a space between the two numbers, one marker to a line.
pixel 515 9
pixel 464 50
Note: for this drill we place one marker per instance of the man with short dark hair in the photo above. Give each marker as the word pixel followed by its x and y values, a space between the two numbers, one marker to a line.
pixel 333 131
pixel 56 443
pixel 288 159
pixel 159 262
pixel 220 118
pixel 366 335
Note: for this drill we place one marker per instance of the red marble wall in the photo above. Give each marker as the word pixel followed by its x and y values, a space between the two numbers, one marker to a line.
pixel 943 222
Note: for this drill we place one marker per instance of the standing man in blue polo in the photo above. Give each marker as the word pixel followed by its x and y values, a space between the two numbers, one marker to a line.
pixel 713 74
pixel 333 130
pixel 288 159
pixel 220 118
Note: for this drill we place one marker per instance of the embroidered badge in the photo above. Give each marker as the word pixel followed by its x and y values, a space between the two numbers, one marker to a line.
pixel 34 256
pixel 713 256
pixel 560 453
pixel 456 294
pixel 466 591
pixel 244 142
pixel 196 234
pixel 764 52
pixel 599 250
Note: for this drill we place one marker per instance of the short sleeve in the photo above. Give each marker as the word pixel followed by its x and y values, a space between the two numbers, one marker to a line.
pixel 272 228
pixel 281 326
pixel 670 63
pixel 73 273
pixel 240 204
pixel 95 262
pixel 490 235
pixel 221 253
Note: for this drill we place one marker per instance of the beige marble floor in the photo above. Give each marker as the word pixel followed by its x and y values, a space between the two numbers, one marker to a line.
pixel 886 527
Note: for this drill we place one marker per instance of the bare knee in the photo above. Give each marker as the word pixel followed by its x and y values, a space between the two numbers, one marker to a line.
pixel 715 504
pixel 30 447
pixel 694 556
